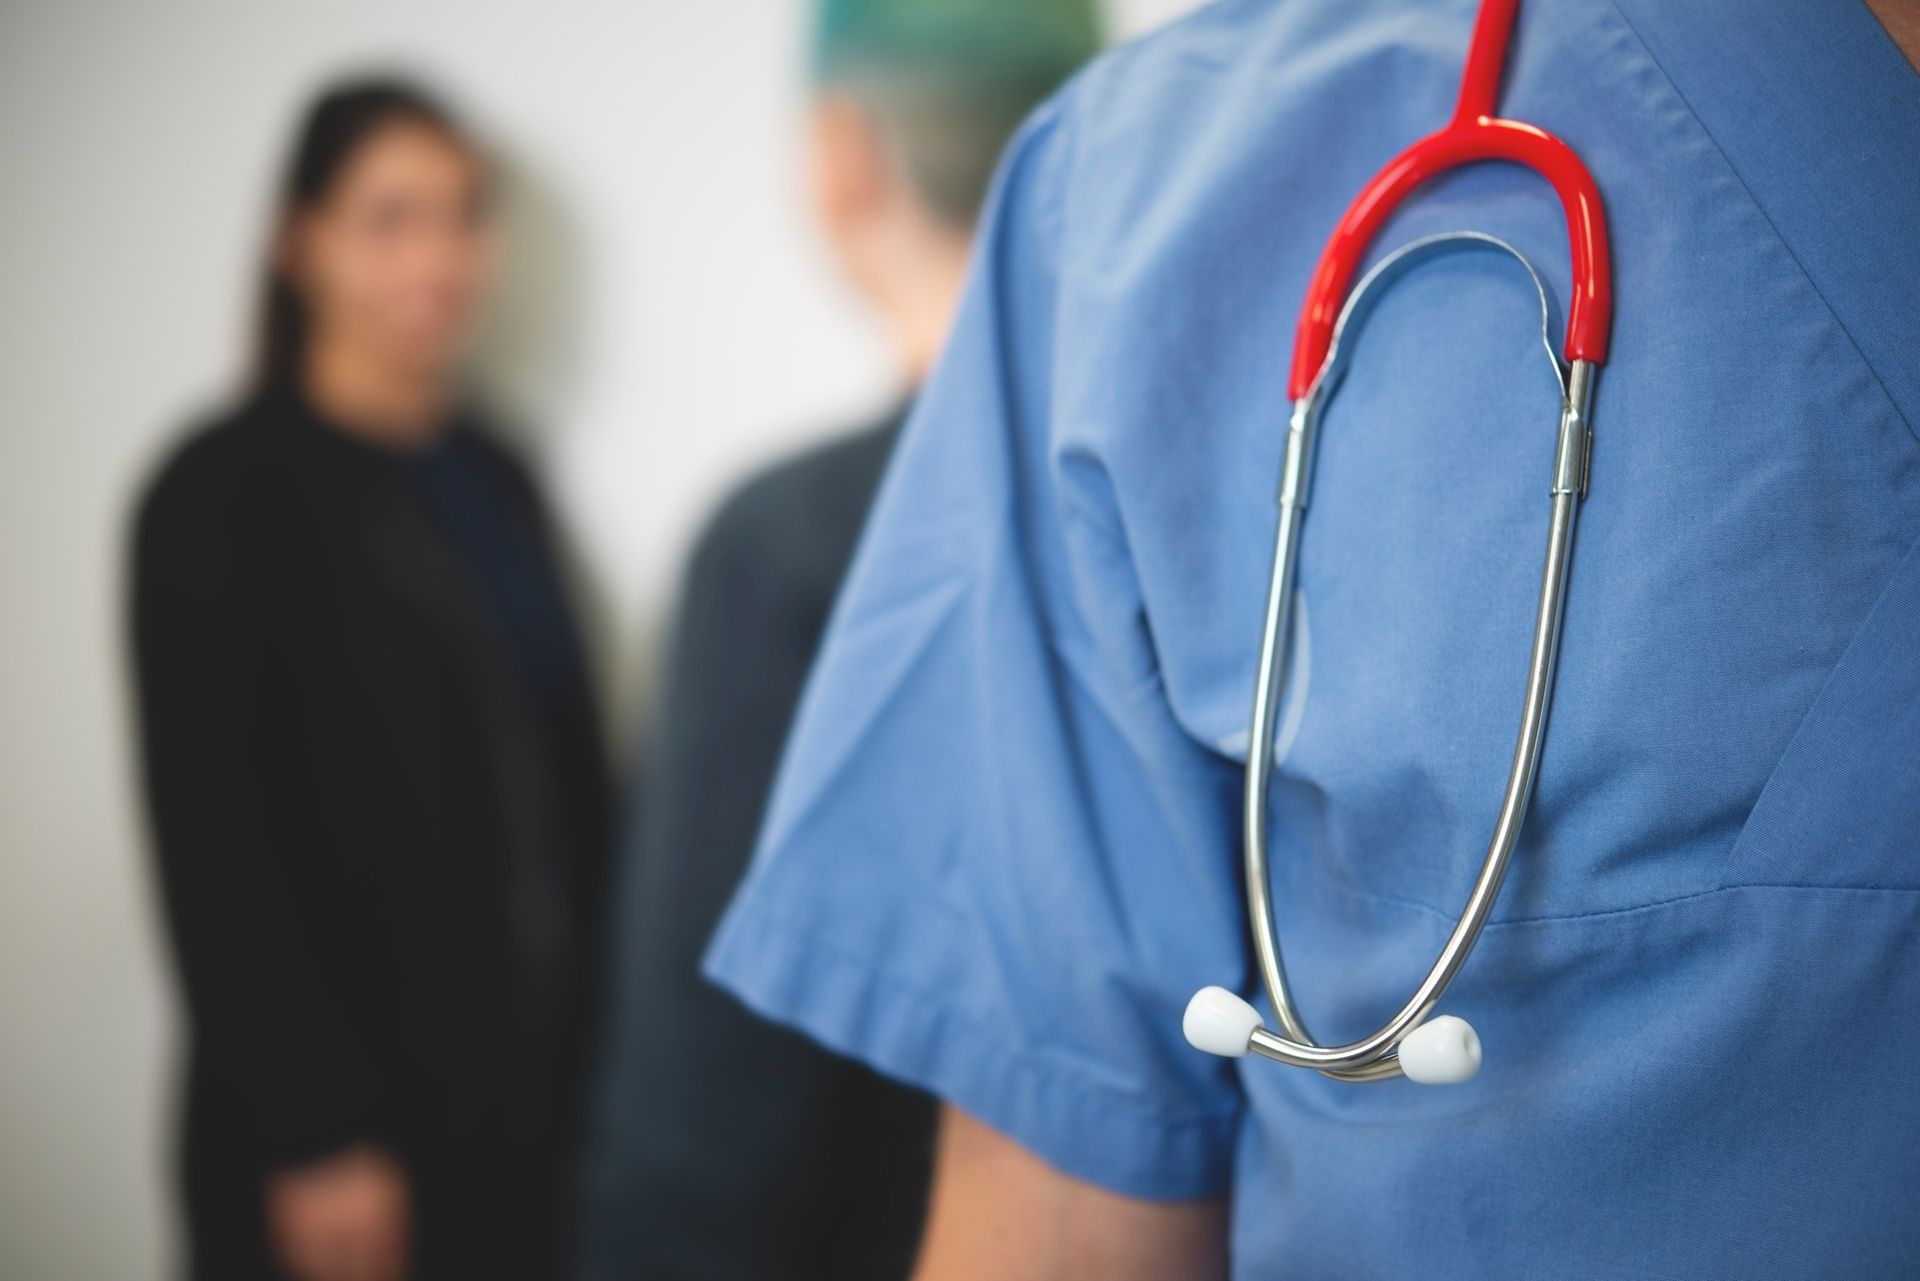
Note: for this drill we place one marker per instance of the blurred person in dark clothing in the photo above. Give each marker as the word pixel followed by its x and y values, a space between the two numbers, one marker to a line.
pixel 725 1148
pixel 375 778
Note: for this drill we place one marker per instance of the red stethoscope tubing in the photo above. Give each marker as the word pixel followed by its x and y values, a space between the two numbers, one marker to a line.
pixel 1474 134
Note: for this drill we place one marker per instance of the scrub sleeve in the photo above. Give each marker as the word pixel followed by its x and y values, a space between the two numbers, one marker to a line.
pixel 994 865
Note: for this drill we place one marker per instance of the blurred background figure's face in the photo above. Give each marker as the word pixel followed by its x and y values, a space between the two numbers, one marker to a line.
pixel 862 202
pixel 394 260
pixel 904 259
pixel 914 101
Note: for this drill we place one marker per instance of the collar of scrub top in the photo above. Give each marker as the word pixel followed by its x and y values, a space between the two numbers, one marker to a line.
pixel 1443 1050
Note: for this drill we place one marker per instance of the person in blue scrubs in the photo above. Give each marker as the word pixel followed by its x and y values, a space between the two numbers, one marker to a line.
pixel 1002 852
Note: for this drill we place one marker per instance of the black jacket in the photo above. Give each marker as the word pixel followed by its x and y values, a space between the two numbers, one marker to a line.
pixel 379 886
pixel 726 1148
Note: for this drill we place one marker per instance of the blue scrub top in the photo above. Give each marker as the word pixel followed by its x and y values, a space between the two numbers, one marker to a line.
pixel 1003 855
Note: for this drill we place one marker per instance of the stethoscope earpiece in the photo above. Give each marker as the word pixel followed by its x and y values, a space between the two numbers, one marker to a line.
pixel 1220 1022
pixel 1441 1051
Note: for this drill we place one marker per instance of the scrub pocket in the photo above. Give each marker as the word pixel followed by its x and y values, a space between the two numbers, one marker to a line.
pixel 1842 806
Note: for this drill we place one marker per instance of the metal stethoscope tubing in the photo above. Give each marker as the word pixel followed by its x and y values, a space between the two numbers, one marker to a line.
pixel 1440 1049
pixel 1446 1049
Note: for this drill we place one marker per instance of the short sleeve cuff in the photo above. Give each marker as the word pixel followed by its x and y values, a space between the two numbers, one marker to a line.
pixel 1074 1123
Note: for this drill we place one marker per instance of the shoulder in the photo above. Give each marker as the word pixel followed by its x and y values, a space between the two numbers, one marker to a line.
pixel 502 452
pixel 794 488
pixel 802 513
pixel 498 443
pixel 213 474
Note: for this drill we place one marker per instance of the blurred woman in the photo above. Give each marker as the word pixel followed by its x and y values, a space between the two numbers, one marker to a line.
pixel 374 773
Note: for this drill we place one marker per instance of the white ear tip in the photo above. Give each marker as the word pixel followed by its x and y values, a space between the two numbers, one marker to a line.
pixel 1442 1051
pixel 1219 1022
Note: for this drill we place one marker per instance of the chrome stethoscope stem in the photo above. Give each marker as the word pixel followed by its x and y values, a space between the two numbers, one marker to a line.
pixel 1375 1057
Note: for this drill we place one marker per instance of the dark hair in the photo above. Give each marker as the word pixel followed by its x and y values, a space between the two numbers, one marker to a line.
pixel 338 122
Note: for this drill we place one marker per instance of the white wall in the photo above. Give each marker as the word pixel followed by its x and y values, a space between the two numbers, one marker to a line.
pixel 671 320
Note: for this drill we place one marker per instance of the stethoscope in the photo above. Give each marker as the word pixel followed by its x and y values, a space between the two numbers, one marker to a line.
pixel 1445 1049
